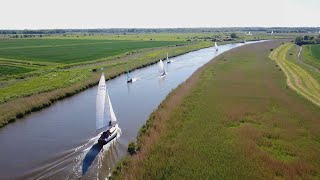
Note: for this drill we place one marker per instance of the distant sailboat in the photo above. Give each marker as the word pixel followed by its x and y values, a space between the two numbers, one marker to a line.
pixel 216 46
pixel 271 32
pixel 161 69
pixel 168 61
pixel 105 117
pixel 129 80
pixel 249 34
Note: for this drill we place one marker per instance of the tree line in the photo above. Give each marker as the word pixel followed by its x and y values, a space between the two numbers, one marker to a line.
pixel 301 40
pixel 165 30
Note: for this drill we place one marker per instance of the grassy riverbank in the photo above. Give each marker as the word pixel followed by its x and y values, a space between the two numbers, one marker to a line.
pixel 235 118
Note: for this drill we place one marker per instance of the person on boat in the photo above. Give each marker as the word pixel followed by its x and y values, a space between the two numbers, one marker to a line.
pixel 110 124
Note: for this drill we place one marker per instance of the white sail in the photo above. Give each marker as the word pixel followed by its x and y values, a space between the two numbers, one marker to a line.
pixel 101 103
pixel 113 118
pixel 215 45
pixel 167 56
pixel 161 67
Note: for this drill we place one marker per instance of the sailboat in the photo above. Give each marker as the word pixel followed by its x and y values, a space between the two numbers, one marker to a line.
pixel 104 112
pixel 129 80
pixel 168 61
pixel 271 32
pixel 161 69
pixel 216 46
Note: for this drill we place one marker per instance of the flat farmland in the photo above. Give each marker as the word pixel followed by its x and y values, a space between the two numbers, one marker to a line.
pixel 71 50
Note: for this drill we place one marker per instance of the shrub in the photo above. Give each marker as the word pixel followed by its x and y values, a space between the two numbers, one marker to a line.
pixel 19 115
pixel 132 148
pixel 233 35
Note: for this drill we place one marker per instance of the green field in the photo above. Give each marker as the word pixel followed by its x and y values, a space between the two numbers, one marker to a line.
pixel 9 70
pixel 71 50
pixel 233 119
pixel 311 55
pixel 315 51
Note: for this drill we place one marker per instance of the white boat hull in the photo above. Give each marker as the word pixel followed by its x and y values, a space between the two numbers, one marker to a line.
pixel 105 138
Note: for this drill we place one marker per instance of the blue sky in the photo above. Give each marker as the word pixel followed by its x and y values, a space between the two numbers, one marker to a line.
pixel 44 14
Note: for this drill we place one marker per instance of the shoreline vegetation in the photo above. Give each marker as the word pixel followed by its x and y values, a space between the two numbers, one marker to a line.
pixel 234 116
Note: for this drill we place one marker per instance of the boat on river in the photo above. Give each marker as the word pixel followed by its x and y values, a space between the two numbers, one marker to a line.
pixel 106 120
pixel 129 80
pixel 168 61
pixel 161 69
pixel 216 46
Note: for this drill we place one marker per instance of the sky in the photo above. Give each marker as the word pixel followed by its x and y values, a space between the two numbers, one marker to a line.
pixel 86 14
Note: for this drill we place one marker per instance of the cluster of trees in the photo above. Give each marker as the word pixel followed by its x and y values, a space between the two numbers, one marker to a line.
pixel 24 36
pixel 301 40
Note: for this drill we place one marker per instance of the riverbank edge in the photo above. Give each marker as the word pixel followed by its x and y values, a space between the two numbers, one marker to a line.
pixel 48 98
pixel 174 98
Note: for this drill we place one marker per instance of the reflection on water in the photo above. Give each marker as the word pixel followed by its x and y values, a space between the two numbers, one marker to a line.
pixel 60 142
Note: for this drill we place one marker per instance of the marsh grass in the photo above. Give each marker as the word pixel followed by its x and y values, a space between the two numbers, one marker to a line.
pixel 233 119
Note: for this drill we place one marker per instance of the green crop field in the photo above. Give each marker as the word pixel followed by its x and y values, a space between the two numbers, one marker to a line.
pixel 233 119
pixel 311 55
pixel 9 70
pixel 315 51
pixel 71 50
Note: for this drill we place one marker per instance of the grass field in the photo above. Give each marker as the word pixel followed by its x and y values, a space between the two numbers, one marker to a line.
pixel 70 50
pixel 311 55
pixel 298 78
pixel 235 118
pixel 9 70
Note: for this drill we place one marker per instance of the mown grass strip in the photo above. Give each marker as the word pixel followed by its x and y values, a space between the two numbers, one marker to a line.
pixel 297 78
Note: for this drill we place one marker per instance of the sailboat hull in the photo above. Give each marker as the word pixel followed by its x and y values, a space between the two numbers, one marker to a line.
pixel 105 138
pixel 129 81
